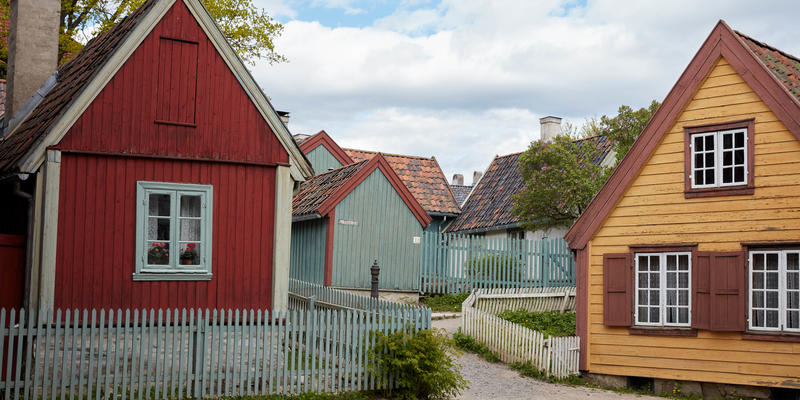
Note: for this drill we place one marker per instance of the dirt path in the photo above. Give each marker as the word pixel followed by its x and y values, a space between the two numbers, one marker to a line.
pixel 497 381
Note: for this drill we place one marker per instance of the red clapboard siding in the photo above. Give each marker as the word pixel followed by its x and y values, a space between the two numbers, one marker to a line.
pixel 97 228
pixel 122 119
pixel 12 271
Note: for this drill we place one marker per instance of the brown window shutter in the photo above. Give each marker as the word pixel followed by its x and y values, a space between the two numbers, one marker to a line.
pixel 617 289
pixel 728 295
pixel 701 289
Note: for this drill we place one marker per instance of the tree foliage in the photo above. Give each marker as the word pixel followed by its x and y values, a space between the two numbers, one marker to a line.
pixel 559 183
pixel 559 179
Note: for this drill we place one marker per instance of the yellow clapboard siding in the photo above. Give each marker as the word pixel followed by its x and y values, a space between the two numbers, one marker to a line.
pixel 653 210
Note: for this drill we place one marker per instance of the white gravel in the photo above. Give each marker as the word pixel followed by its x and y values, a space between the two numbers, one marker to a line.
pixel 497 381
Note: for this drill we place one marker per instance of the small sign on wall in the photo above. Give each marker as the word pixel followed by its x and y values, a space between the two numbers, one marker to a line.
pixel 348 222
pixel 417 240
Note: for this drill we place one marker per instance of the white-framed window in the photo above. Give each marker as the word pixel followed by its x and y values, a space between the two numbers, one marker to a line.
pixel 774 281
pixel 663 289
pixel 173 231
pixel 719 158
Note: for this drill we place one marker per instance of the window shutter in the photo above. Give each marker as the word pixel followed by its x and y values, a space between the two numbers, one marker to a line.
pixel 701 286
pixel 617 289
pixel 727 273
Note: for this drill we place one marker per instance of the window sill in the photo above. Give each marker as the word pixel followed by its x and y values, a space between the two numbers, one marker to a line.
pixel 172 276
pixel 719 191
pixel 772 336
pixel 661 331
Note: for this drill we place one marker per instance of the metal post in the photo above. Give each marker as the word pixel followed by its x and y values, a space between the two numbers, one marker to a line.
pixel 374 271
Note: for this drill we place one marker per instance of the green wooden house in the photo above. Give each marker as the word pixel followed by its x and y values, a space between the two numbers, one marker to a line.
pixel 346 218
pixel 421 175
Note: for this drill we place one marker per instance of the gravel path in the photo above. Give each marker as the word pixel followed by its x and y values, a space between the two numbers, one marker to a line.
pixel 497 381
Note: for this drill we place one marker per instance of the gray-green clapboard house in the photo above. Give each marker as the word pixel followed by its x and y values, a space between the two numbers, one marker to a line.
pixel 346 218
pixel 421 175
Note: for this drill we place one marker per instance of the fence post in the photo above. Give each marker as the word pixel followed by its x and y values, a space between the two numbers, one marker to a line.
pixel 374 271
pixel 311 301
pixel 545 264
pixel 198 352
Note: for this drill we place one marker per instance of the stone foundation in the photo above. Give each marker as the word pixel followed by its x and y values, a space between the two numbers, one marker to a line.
pixel 396 296
pixel 706 390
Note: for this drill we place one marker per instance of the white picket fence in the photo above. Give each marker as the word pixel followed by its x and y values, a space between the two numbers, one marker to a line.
pixel 557 356
pixel 166 354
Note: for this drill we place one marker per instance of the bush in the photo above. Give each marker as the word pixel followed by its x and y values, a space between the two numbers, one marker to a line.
pixel 420 363
pixel 551 323
pixel 494 267
pixel 446 302
pixel 468 343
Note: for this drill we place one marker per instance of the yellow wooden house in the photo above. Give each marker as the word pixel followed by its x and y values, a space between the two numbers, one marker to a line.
pixel 689 256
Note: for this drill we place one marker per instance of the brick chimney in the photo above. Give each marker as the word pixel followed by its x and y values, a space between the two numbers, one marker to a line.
pixel 458 179
pixel 32 49
pixel 550 127
pixel 476 176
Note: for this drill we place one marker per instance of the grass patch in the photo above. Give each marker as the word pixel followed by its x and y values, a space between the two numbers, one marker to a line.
pixel 528 369
pixel 468 343
pixel 446 302
pixel 551 323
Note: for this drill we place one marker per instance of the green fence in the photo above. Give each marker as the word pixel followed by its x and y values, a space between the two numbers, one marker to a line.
pixel 453 263
pixel 169 354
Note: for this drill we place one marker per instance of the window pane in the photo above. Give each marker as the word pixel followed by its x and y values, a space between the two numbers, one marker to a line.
pixel 672 263
pixel 642 314
pixel 683 315
pixel 758 299
pixel 793 300
pixel 683 298
pixel 158 253
pixel 655 280
pixel 727 175
pixel 727 157
pixel 190 230
pixel 672 297
pixel 157 228
pixel 758 280
pixel 772 318
pixel 654 300
pixel 738 174
pixel 698 178
pixel 739 139
pixel 190 206
pixel 739 157
pixel 672 280
pixel 793 261
pixel 683 262
pixel 643 281
pixel 683 280
pixel 642 297
pixel 727 140
pixel 190 254
pixel 709 160
pixel 758 261
pixel 654 315
pixel 772 261
pixel 672 315
pixel 758 318
pixel 709 178
pixel 698 161
pixel 698 143
pixel 772 280
pixel 793 319
pixel 642 263
pixel 709 143
pixel 772 299
pixel 159 205
pixel 655 262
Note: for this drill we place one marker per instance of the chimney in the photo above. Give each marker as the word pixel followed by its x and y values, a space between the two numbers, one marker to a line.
pixel 458 179
pixel 476 176
pixel 550 127
pixel 284 117
pixel 32 49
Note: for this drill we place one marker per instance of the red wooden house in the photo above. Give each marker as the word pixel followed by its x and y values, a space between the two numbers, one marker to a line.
pixel 157 172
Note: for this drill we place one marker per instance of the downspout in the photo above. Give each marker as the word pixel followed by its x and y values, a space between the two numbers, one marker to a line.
pixel 28 198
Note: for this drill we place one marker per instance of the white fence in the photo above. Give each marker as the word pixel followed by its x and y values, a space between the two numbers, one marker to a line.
pixel 557 356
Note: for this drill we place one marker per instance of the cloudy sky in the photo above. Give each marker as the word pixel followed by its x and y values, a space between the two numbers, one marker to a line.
pixel 465 80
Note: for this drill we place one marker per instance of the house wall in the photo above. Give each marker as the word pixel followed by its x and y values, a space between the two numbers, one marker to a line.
pixel 385 230
pixel 653 210
pixel 96 251
pixel 551 233
pixel 308 250
pixel 322 160
pixel 122 118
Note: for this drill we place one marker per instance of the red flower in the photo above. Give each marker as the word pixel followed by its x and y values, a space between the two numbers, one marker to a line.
pixel 190 245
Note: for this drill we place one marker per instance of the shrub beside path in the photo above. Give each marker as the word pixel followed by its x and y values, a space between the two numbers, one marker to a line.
pixel 498 381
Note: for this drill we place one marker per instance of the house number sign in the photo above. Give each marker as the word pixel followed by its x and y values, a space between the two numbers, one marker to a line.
pixel 348 222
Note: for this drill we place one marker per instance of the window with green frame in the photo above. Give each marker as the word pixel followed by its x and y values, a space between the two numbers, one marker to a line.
pixel 173 231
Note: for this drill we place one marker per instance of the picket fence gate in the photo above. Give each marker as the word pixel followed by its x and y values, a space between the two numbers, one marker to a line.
pixel 456 263
pixel 163 354
pixel 557 356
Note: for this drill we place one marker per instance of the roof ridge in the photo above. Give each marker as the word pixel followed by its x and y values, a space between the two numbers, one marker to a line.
pixel 387 154
pixel 767 46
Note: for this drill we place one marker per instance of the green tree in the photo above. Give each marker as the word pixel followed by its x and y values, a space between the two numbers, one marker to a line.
pixel 249 29
pixel 559 183
pixel 625 127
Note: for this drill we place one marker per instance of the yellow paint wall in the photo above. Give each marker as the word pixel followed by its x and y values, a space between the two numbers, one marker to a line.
pixel 653 210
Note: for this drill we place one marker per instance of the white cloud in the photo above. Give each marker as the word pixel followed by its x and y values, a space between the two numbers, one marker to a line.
pixel 465 80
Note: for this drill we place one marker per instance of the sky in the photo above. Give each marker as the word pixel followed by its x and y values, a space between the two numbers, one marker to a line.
pixel 466 80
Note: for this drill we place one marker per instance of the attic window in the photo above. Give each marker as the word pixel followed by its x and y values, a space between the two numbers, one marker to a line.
pixel 177 82
pixel 719 159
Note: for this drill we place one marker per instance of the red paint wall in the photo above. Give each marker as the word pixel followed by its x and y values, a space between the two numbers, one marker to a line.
pixel 12 271
pixel 97 228
pixel 122 118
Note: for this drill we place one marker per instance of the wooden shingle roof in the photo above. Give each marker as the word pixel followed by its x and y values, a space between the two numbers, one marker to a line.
pixel 490 204
pixel 316 190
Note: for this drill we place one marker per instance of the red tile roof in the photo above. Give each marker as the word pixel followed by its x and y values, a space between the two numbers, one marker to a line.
pixel 491 201
pixel 422 176
pixel 784 66
pixel 73 77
